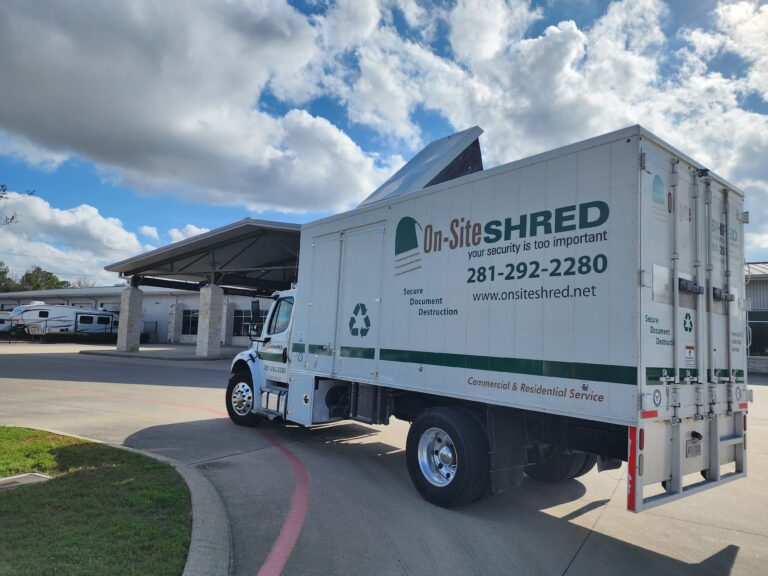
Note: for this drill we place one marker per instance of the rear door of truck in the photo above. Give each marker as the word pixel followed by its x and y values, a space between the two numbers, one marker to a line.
pixel 691 427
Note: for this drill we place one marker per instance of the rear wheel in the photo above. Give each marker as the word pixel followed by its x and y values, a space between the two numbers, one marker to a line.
pixel 447 456
pixel 589 462
pixel 241 399
pixel 558 465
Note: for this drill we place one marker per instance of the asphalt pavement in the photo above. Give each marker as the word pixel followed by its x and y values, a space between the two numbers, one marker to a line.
pixel 363 515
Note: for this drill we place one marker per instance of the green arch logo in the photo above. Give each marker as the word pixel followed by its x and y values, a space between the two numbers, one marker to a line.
pixel 406 237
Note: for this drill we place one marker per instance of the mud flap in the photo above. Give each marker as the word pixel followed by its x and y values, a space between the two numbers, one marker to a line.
pixel 507 452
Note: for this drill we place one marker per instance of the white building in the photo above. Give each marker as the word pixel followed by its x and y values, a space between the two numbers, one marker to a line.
pixel 167 315
pixel 757 292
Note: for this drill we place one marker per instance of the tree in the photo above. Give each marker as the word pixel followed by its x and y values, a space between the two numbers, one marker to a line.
pixel 4 218
pixel 7 282
pixel 4 197
pixel 38 279
pixel 83 283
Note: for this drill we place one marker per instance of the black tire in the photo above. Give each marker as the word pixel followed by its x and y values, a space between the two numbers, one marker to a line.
pixel 589 462
pixel 558 465
pixel 465 440
pixel 237 406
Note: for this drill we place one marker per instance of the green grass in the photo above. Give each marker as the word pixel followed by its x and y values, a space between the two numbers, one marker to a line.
pixel 107 511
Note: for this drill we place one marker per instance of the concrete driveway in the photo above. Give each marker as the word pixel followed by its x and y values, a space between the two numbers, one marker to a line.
pixel 363 515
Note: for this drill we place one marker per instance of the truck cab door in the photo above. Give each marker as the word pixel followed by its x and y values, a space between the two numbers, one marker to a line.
pixel 274 352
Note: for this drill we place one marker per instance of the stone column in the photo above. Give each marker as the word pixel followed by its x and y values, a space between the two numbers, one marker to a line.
pixel 209 322
pixel 129 329
pixel 175 318
pixel 227 323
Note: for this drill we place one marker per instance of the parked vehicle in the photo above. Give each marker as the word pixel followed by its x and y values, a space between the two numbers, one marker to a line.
pixel 5 321
pixel 581 307
pixel 40 318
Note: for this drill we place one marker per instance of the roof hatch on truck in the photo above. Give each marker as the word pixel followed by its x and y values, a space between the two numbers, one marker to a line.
pixel 442 160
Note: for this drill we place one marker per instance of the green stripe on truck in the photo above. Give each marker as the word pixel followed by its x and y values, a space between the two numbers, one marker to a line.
pixel 354 352
pixel 320 349
pixel 271 356
pixel 572 370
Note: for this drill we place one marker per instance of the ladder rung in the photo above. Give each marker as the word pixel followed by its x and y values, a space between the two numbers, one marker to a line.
pixel 731 440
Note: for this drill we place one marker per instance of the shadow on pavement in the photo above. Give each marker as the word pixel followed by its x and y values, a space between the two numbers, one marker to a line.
pixel 360 492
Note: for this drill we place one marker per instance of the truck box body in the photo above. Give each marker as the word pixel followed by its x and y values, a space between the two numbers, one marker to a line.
pixel 593 281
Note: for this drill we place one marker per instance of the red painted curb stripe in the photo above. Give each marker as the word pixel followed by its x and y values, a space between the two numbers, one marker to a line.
pixel 297 513
pixel 294 521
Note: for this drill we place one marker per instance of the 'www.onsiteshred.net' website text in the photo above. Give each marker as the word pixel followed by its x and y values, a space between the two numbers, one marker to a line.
pixel 541 293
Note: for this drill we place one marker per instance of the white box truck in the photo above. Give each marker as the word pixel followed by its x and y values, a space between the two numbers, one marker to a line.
pixel 583 306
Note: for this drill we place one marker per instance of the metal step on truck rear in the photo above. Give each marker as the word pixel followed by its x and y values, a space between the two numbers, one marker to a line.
pixel 578 308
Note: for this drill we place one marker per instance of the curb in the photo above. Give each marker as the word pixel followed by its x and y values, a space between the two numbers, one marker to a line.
pixel 147 356
pixel 210 544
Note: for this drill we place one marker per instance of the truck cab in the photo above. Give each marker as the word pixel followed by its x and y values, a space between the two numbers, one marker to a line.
pixel 258 386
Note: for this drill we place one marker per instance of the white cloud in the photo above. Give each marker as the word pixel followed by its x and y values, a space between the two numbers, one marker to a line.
pixel 481 30
pixel 72 243
pixel 744 28
pixel 165 98
pixel 188 231
pixel 149 232
pixel 168 100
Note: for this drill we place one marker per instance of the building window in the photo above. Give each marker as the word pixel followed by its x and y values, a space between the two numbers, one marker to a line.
pixel 189 322
pixel 242 322
pixel 758 326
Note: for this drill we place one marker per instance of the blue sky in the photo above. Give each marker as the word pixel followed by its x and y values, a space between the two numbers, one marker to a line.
pixel 139 124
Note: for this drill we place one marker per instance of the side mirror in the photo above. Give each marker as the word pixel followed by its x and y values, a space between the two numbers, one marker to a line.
pixel 253 329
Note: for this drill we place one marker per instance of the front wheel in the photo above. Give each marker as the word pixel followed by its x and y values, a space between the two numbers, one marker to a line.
pixel 447 456
pixel 241 399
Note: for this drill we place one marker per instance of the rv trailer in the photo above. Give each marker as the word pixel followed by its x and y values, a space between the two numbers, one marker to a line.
pixel 40 319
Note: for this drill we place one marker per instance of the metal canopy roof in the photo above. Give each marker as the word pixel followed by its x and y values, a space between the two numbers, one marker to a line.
pixel 255 254
pixel 757 270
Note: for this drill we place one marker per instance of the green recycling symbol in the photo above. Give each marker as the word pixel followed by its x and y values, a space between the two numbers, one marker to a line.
pixel 688 322
pixel 359 323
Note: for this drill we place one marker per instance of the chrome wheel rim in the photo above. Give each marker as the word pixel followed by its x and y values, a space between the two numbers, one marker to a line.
pixel 437 457
pixel 242 399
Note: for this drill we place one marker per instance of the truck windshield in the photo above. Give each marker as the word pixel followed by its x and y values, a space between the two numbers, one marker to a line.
pixel 281 317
